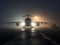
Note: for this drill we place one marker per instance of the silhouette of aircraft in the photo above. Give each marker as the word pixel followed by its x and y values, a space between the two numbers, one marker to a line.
pixel 28 22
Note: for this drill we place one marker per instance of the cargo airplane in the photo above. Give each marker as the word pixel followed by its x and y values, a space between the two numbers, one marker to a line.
pixel 28 24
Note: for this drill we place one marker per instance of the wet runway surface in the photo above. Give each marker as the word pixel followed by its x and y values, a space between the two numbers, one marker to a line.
pixel 31 38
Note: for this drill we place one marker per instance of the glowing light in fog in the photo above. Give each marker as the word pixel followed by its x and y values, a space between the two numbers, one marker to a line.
pixel 33 29
pixel 33 24
pixel 22 24
pixel 22 29
pixel 38 19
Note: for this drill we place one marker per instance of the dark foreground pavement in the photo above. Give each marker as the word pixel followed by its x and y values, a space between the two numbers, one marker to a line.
pixel 31 39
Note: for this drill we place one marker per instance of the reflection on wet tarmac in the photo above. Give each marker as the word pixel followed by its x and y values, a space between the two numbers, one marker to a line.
pixel 30 38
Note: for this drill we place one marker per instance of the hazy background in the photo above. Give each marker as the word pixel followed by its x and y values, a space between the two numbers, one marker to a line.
pixel 12 10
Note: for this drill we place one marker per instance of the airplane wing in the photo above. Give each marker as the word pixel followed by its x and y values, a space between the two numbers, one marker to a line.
pixel 40 23
pixel 17 23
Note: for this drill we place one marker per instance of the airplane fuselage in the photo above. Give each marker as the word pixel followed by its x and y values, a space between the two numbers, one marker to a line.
pixel 28 22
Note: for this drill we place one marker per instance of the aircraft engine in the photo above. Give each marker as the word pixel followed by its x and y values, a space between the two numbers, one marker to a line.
pixel 17 24
pixel 38 23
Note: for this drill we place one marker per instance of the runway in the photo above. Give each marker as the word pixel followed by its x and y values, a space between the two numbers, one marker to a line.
pixel 31 38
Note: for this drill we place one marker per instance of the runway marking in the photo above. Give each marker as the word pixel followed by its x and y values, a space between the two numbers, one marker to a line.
pixel 48 38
